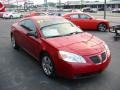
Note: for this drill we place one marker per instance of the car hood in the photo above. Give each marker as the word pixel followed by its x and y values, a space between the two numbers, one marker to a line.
pixel 83 44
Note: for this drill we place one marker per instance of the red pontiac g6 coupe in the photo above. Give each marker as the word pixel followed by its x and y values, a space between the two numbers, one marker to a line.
pixel 61 47
pixel 87 22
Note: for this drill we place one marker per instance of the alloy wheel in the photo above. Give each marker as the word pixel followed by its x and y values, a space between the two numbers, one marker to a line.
pixel 102 27
pixel 47 65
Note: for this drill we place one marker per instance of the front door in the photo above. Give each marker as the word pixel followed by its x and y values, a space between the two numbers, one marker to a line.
pixel 31 43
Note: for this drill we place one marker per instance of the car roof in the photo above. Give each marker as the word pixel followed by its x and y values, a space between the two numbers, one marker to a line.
pixel 73 13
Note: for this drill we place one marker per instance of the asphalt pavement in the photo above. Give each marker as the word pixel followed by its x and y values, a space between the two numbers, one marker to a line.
pixel 19 71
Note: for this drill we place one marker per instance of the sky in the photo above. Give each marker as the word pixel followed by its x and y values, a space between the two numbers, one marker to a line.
pixel 42 1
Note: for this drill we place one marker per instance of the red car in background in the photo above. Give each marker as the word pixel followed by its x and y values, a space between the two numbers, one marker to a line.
pixel 62 48
pixel 29 14
pixel 87 22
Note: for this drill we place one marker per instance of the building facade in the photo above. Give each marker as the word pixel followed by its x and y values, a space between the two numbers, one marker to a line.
pixel 93 4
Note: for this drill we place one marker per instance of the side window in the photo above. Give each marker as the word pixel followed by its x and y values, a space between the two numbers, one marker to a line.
pixel 84 16
pixel 28 24
pixel 22 23
pixel 75 16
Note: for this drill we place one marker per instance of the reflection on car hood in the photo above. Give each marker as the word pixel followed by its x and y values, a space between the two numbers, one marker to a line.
pixel 83 43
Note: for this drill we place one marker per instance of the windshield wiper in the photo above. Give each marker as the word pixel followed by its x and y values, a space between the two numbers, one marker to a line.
pixel 64 34
pixel 54 36
pixel 72 33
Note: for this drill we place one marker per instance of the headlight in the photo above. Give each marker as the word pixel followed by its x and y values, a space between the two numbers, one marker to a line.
pixel 107 49
pixel 71 57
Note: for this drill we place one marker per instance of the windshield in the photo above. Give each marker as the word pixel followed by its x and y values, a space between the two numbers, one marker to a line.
pixel 60 29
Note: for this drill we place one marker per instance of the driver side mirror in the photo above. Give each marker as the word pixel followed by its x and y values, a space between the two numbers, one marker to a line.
pixel 32 33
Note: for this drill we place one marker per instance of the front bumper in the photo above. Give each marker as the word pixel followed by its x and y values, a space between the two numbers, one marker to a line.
pixel 78 70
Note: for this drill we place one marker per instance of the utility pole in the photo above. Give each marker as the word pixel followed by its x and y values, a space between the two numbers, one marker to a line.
pixel 45 3
pixel 81 4
pixel 25 6
pixel 59 4
pixel 17 5
pixel 8 2
pixel 104 9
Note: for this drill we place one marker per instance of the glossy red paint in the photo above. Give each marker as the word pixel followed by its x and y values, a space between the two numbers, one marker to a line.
pixel 83 44
pixel 85 21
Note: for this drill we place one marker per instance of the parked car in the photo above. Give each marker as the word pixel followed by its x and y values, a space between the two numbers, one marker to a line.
pixel 62 48
pixel 88 9
pixel 101 9
pixel 76 10
pixel 12 15
pixel 31 13
pixel 116 10
pixel 87 22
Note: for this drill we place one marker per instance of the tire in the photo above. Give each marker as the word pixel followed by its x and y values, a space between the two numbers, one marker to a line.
pixel 11 17
pixel 21 16
pixel 115 38
pixel 13 42
pixel 102 27
pixel 47 65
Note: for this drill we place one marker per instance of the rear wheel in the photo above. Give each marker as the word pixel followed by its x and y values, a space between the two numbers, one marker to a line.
pixel 11 17
pixel 13 42
pixel 115 38
pixel 21 16
pixel 47 65
pixel 102 27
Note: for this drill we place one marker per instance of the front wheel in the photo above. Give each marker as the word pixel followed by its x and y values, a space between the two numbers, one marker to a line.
pixel 102 27
pixel 47 65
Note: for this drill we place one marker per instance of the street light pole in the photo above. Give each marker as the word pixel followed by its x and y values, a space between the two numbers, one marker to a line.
pixel 104 9
pixel 59 3
pixel 81 4
pixel 8 3
pixel 17 4
pixel 45 4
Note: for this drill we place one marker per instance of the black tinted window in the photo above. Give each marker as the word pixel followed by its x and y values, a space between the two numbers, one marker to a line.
pixel 22 23
pixel 84 16
pixel 28 24
pixel 74 16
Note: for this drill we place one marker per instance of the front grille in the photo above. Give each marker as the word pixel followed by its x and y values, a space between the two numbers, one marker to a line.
pixel 98 59
pixel 95 59
pixel 103 56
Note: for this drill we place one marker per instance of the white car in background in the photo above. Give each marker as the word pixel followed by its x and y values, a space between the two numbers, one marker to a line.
pixel 12 15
